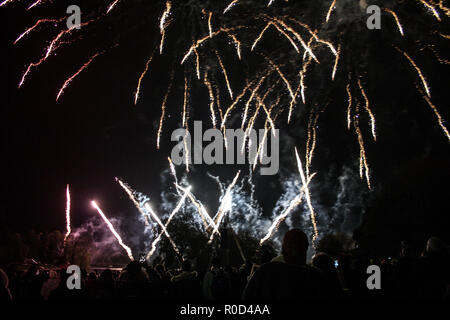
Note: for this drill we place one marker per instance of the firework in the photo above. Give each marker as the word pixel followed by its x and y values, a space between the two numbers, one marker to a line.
pixel 68 228
pixel 163 231
pixel 113 231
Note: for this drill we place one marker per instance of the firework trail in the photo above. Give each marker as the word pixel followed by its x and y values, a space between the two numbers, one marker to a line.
pixel 226 205
pixel 307 196
pixel 174 212
pixel 163 25
pixel 113 231
pixel 399 25
pixel 422 78
pixel 138 89
pixel 68 228
pixel 68 81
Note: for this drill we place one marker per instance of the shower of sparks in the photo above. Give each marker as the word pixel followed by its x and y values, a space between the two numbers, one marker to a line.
pixel 113 231
pixel 369 111
pixel 68 81
pixel 164 229
pixel 424 82
pixel 399 25
pixel 68 228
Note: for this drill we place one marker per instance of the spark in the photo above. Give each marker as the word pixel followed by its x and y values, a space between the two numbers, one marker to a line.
pixel 68 81
pixel 113 231
pixel 260 35
pixel 34 4
pixel 68 228
pixel 432 9
pixel 138 89
pixel 399 25
pixel 363 166
pixel 232 3
pixel 185 101
pixel 39 22
pixel 112 5
pixel 224 71
pixel 163 25
pixel 307 195
pixel 130 194
pixel 336 62
pixel 163 111
pixel 367 106
pixel 237 43
pixel 436 112
pixel 330 10
pixel 210 25
pixel 277 68
pixel 211 99
pixel 53 46
pixel 349 106
pixel 424 82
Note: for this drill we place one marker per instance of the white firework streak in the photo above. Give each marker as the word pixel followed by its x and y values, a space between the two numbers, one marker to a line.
pixel 225 206
pixel 114 232
pixel 67 213
pixel 177 208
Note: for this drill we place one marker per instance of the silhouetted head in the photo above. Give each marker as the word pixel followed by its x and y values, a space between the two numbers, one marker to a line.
pixel 323 262
pixel 435 246
pixel 133 267
pixel 215 262
pixel 295 246
pixel 160 269
pixel 186 265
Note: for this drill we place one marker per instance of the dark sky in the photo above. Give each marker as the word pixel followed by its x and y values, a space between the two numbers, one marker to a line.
pixel 95 133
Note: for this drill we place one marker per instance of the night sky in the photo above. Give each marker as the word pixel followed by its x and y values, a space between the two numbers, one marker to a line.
pixel 95 133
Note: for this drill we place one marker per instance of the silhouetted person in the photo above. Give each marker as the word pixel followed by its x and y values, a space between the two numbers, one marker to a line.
pixel 326 265
pixel 216 283
pixel 186 284
pixel 286 277
pixel 431 274
pixel 133 282
pixel 106 288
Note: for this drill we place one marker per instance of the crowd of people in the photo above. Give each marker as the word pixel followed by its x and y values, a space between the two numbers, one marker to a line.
pixel 283 277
